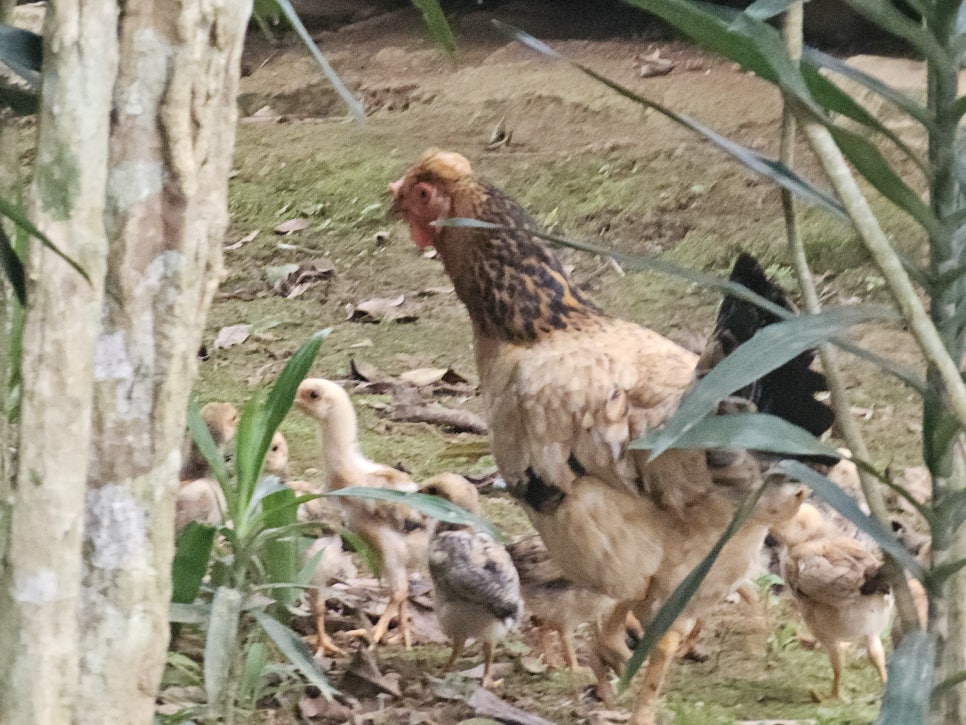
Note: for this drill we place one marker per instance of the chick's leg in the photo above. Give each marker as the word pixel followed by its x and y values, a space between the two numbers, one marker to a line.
pixel 323 644
pixel 877 655
pixel 399 593
pixel 654 674
pixel 567 644
pixel 458 645
pixel 488 681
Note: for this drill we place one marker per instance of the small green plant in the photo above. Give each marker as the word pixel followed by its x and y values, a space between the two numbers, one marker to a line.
pixel 244 577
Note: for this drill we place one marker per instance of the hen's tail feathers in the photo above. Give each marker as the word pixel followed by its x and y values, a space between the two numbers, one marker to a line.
pixel 788 391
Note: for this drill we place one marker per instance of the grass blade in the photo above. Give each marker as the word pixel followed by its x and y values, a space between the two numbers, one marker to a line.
pixel 281 553
pixel 296 651
pixel 768 9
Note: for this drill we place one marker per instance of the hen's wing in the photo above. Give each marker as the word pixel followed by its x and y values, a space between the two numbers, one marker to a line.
pixel 473 568
pixel 833 571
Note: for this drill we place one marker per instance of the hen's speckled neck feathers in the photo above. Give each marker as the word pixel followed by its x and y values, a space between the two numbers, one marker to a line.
pixel 511 283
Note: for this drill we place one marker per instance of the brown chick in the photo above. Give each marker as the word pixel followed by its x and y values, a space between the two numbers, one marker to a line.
pixel 396 533
pixel 556 602
pixel 839 586
pixel 567 388
pixel 222 422
pixel 475 585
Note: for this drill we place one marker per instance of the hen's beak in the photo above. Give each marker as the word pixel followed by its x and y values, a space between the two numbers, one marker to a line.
pixel 395 210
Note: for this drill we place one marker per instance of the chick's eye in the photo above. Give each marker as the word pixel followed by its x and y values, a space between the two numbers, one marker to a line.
pixel 314 395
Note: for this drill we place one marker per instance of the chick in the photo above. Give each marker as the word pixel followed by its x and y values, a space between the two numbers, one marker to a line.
pixel 276 458
pixel 555 601
pixel 200 500
pixel 222 422
pixel 476 586
pixel 397 534
pixel 839 586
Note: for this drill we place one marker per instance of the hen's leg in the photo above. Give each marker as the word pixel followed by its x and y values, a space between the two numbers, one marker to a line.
pixel 877 655
pixel 660 659
pixel 457 650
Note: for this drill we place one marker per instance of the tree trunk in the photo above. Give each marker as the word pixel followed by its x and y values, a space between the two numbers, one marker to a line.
pixel 171 144
pixel 133 153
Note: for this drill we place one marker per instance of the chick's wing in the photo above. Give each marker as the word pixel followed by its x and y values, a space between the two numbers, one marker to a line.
pixel 831 571
pixel 473 568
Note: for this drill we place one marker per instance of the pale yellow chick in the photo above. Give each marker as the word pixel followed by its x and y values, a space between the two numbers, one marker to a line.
pixel 395 532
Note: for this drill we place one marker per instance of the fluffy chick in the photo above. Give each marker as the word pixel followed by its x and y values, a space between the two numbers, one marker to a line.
pixel 476 586
pixel 555 601
pixel 396 533
pixel 839 586
pixel 201 500
pixel 222 422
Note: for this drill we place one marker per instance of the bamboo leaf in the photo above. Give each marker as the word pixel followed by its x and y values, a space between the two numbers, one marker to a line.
pixel 297 653
pixel 437 24
pixel 438 508
pixel 13 268
pixel 354 106
pixel 770 348
pixel 754 431
pixel 18 217
pixel 774 171
pixel 675 604
pixel 888 17
pixel 843 503
pixel 901 100
pixel 869 162
pixel 835 99
pixel 23 52
pixel 191 554
pixel 906 698
pixel 221 643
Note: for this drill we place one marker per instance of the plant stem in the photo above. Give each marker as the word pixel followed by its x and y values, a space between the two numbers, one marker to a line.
pixel 792 32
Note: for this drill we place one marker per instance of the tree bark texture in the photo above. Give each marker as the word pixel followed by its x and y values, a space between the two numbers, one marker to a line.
pixel 134 149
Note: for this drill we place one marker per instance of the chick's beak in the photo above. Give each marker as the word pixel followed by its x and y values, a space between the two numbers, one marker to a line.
pixel 395 209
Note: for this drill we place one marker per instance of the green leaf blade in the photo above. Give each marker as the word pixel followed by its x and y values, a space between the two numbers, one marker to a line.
pixel 221 644
pixel 770 348
pixel 190 564
pixel 297 653
pixel 906 698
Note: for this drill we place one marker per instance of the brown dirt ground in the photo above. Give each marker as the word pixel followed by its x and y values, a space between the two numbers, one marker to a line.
pixel 590 164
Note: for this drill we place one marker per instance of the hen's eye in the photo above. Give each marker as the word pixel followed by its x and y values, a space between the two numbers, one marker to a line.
pixel 423 194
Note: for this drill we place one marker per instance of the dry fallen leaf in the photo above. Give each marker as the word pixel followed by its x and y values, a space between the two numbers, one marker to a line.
pixel 360 370
pixel 305 276
pixel 376 309
pixel 297 224
pixel 244 240
pixel 232 335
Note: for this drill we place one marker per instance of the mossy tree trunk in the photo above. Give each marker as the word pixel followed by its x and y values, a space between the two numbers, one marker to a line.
pixel 133 154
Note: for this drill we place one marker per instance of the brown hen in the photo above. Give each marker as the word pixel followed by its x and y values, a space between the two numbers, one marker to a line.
pixel 567 388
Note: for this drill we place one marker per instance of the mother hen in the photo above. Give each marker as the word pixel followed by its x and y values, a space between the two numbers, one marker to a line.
pixel 566 389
